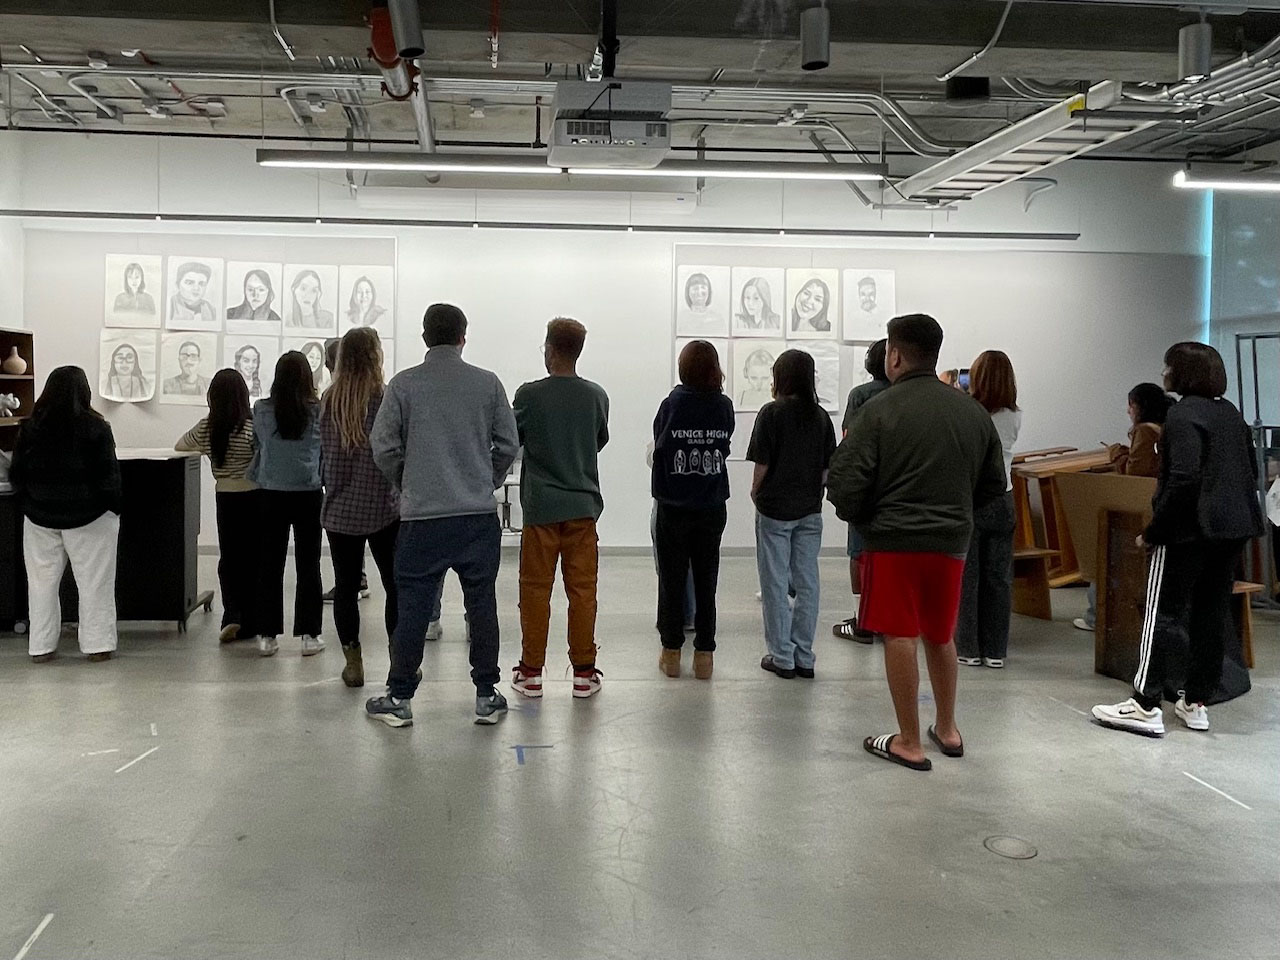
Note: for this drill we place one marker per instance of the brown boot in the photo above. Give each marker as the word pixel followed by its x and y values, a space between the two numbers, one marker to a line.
pixel 669 662
pixel 353 672
pixel 703 661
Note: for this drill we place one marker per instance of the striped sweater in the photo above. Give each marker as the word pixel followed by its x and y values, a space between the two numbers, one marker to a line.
pixel 230 476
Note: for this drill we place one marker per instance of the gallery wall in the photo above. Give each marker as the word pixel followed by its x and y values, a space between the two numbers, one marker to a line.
pixel 1083 319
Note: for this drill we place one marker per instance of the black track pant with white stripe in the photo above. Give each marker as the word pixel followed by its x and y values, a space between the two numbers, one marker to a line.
pixel 1188 619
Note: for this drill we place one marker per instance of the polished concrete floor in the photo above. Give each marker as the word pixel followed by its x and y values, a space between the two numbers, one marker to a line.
pixel 267 818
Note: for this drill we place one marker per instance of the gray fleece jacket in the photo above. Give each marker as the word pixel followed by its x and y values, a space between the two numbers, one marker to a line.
pixel 445 436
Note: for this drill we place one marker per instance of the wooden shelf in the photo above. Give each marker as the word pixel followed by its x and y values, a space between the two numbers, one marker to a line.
pixel 17 376
pixel 12 421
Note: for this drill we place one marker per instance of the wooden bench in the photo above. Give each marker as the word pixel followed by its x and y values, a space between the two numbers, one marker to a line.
pixel 1037 454
pixel 1241 591
pixel 1031 582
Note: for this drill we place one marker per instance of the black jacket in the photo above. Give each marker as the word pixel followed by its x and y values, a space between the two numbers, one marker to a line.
pixel 68 479
pixel 1208 484
pixel 691 436
pixel 916 461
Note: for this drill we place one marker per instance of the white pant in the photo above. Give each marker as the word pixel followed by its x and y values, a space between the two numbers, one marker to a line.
pixel 92 549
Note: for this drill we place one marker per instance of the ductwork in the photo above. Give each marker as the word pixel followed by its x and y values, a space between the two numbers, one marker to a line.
pixel 397 79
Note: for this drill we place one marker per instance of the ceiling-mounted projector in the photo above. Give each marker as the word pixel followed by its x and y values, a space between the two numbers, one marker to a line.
pixel 610 123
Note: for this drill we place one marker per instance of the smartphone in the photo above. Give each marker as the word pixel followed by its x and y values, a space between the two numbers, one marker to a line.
pixel 963 381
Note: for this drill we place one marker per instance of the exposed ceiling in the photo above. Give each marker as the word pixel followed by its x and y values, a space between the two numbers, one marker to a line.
pixel 216 68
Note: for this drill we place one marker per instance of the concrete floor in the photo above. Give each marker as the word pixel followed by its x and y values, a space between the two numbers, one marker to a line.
pixel 664 819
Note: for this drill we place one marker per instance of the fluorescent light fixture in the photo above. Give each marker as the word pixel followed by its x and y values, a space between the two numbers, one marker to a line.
pixel 426 162
pixel 738 170
pixel 1245 183
pixel 537 166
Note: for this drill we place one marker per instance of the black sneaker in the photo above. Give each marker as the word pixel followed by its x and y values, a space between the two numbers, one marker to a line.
pixel 490 709
pixel 364 590
pixel 849 630
pixel 786 673
pixel 327 596
pixel 392 712
pixel 804 673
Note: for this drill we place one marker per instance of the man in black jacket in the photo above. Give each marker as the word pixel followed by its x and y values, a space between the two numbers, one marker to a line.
pixel 1204 511
pixel 916 461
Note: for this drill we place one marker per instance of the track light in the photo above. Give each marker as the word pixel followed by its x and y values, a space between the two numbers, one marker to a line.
pixel 406 27
pixel 536 165
pixel 815 38
pixel 1243 183
pixel 1195 52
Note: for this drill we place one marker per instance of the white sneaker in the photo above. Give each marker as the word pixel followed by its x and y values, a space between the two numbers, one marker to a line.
pixel 995 663
pixel 311 646
pixel 760 596
pixel 267 646
pixel 1195 716
pixel 969 661
pixel 435 631
pixel 1130 716
pixel 1080 623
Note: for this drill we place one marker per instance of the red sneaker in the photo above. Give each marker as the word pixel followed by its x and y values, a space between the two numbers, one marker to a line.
pixel 527 680
pixel 586 682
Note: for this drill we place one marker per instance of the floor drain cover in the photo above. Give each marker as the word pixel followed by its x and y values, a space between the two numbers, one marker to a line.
pixel 1010 847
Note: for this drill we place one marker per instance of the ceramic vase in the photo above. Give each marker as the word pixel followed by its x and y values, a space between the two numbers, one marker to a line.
pixel 14 364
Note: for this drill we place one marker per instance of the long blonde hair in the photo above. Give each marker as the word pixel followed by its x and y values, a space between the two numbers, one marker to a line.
pixel 357 379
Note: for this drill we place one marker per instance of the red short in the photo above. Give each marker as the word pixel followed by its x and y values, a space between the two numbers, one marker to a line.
pixel 911 595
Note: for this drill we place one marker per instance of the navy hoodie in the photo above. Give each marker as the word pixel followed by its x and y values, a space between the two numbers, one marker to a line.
pixel 691 436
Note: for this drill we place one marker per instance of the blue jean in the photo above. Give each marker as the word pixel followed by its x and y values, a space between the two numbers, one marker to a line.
pixel 425 551
pixel 787 554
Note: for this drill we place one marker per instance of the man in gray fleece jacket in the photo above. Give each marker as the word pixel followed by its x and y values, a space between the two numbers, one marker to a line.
pixel 446 437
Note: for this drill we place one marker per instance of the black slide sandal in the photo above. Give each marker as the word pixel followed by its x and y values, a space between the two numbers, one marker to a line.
pixel 946 751
pixel 879 747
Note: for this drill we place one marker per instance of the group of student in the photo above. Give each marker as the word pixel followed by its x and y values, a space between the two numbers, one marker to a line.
pixel 409 468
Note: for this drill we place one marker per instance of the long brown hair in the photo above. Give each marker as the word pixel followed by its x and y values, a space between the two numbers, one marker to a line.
pixel 357 380
pixel 293 393
pixel 699 366
pixel 992 383
pixel 228 398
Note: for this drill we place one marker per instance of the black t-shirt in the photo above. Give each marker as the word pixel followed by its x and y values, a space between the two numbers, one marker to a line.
pixel 795 440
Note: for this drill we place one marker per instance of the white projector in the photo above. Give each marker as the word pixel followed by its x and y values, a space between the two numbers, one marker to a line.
pixel 610 123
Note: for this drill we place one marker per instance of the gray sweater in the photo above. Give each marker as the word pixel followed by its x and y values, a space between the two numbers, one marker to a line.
pixel 445 436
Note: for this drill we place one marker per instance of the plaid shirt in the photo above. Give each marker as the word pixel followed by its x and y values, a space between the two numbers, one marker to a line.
pixel 358 499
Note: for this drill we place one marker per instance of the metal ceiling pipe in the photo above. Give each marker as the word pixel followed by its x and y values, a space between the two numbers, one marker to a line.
pixel 275 29
pixel 396 80
pixel 44 99
pixel 77 84
pixel 608 38
pixel 1195 52
pixel 815 38
pixel 406 25
pixel 958 68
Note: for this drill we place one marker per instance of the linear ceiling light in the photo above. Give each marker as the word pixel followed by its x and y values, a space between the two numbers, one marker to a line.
pixel 1247 183
pixel 537 166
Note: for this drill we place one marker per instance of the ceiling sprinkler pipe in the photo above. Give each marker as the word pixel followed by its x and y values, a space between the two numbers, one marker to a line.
pixel 396 80
pixel 406 26
pixel 275 29
pixel 815 38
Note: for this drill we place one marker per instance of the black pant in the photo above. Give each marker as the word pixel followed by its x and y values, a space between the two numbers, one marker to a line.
pixel 425 551
pixel 986 602
pixel 1188 609
pixel 238 552
pixel 684 540
pixel 282 511
pixel 347 551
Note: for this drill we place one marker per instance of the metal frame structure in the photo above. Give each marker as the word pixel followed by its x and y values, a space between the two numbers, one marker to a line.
pixel 1261 431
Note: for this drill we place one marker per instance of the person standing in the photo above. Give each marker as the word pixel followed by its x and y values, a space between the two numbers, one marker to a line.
pixel 915 465
pixel 445 437
pixel 690 485
pixel 66 479
pixel 286 466
pixel 331 364
pixel 225 436
pixel 858 396
pixel 791 447
pixel 986 598
pixel 360 505
pixel 1204 512
pixel 563 424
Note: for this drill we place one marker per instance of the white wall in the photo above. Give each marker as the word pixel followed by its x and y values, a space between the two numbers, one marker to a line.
pixel 1083 319
pixel 10 232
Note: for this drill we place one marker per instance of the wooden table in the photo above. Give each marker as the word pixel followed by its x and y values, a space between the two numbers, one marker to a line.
pixel 1037 454
pixel 1055 536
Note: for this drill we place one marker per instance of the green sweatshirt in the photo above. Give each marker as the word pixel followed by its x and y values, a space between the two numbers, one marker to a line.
pixel 914 465
pixel 563 424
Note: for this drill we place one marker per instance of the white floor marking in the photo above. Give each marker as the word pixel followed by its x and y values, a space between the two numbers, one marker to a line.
pixel 1069 707
pixel 98 753
pixel 1216 790
pixel 136 759
pixel 316 683
pixel 32 939
pixel 154 732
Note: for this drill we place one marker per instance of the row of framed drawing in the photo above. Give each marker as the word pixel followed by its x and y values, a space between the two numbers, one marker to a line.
pixel 748 369
pixel 749 302
pixel 261 299
pixel 134 369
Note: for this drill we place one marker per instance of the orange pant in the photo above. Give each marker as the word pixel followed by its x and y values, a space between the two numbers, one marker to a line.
pixel 576 545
